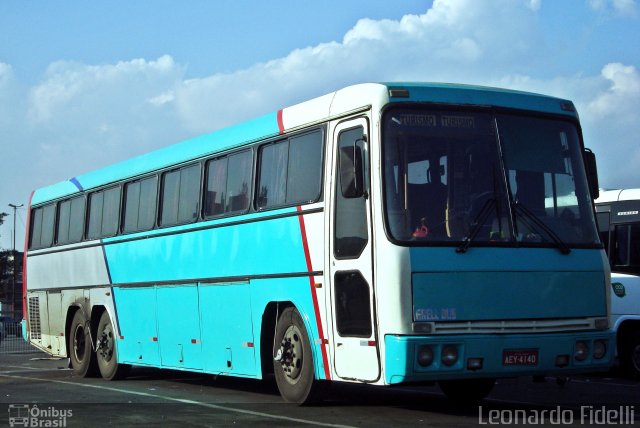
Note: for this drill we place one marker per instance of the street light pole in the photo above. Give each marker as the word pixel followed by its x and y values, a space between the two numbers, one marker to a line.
pixel 13 282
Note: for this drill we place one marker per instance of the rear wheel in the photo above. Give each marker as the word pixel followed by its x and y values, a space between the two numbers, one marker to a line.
pixel 83 359
pixel 293 360
pixel 467 391
pixel 106 354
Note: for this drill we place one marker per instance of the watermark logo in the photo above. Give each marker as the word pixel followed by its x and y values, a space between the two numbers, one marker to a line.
pixel 30 415
pixel 586 415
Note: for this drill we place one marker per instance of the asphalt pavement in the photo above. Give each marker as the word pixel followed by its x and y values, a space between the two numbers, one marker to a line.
pixel 36 390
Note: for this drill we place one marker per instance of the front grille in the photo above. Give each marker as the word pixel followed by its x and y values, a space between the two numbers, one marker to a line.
pixel 516 326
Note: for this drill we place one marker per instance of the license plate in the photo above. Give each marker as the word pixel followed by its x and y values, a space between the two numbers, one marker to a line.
pixel 520 357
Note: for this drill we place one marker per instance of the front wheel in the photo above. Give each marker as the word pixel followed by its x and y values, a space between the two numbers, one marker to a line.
pixel 629 354
pixel 292 359
pixel 106 354
pixel 467 391
pixel 83 359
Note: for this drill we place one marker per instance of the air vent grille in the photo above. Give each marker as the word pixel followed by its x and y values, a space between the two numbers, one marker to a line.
pixel 35 328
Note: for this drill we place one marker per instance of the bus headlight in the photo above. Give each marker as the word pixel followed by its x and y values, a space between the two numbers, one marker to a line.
pixel 449 355
pixel 599 349
pixel 425 356
pixel 581 351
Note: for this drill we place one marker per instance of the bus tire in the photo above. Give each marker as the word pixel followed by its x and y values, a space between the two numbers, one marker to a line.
pixel 81 355
pixel 106 351
pixel 467 392
pixel 630 354
pixel 292 359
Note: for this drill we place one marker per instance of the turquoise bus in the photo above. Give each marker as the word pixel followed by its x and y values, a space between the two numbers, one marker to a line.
pixel 383 233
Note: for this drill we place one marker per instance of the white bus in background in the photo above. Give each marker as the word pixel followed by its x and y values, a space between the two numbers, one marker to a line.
pixel 618 213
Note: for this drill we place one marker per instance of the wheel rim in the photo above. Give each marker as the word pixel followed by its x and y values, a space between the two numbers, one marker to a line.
pixel 105 344
pixel 292 354
pixel 79 343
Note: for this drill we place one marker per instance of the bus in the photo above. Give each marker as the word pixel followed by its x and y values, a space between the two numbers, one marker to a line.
pixel 618 215
pixel 384 233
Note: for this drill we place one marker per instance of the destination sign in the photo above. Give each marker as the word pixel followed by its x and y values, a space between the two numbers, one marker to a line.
pixel 467 122
pixel 431 121
pixel 416 120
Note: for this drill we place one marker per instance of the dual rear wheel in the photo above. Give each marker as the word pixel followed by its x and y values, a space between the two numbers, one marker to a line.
pixel 88 360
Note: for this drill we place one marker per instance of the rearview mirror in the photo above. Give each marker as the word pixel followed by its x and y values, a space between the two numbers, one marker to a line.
pixel 592 173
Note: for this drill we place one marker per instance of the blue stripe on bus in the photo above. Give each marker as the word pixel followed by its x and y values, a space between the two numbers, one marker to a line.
pixel 106 262
pixel 76 183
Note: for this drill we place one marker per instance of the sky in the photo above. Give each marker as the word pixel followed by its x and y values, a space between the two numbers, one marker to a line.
pixel 87 84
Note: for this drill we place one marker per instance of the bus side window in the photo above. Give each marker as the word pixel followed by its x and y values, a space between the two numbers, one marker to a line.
pixel 43 226
pixel 70 220
pixel 140 205
pixel 351 235
pixel 273 175
pixel 104 213
pixel 180 196
pixel 603 229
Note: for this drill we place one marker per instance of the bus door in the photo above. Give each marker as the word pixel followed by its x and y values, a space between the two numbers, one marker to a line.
pixel 351 273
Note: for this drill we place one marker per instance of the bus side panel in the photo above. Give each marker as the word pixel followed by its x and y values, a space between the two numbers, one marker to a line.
pixel 179 326
pixel 271 247
pixel 74 267
pixel 227 330
pixel 56 323
pixel 138 341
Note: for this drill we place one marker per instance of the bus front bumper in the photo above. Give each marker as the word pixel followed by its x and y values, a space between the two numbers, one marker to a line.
pixel 432 358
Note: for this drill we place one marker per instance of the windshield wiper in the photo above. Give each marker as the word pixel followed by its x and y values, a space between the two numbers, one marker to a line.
pixel 517 206
pixel 476 225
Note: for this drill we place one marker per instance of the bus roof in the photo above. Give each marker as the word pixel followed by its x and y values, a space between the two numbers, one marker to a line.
pixel 315 110
pixel 618 195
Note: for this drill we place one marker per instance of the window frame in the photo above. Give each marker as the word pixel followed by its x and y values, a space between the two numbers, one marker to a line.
pixel 322 130
pixel 205 183
pixel 123 204
pixel 87 217
pixel 161 186
pixel 81 196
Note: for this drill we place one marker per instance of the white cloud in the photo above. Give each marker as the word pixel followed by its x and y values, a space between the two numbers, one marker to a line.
pixel 622 94
pixel 452 41
pixel 619 7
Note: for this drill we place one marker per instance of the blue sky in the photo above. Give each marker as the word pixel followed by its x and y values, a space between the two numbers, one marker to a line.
pixel 86 84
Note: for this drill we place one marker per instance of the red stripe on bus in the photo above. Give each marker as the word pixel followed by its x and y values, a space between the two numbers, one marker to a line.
pixel 316 308
pixel 280 122
pixel 24 263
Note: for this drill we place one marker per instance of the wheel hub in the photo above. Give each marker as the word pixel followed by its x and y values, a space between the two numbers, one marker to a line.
pixel 291 353
pixel 105 344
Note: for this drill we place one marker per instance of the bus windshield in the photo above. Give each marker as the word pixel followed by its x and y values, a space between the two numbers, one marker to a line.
pixel 463 176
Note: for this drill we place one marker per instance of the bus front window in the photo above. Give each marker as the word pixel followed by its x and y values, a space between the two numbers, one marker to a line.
pixel 443 180
pixel 546 180
pixel 461 176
